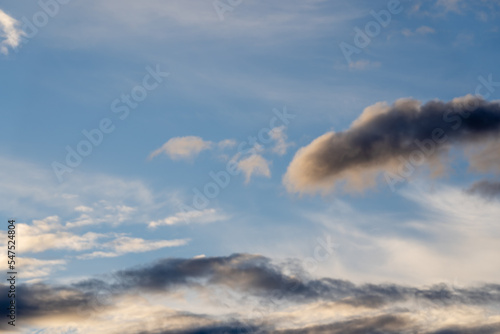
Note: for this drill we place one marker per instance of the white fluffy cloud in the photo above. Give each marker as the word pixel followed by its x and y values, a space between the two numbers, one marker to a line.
pixel 250 163
pixel 255 164
pixel 9 32
pixel 50 234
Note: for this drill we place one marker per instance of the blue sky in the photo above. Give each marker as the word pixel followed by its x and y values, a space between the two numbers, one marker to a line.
pixel 265 88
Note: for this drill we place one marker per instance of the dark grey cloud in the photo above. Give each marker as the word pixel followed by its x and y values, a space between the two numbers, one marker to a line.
pixel 258 276
pixel 387 324
pixel 485 329
pixel 485 188
pixel 249 273
pixel 396 139
pixel 233 327
pixel 246 275
pixel 37 301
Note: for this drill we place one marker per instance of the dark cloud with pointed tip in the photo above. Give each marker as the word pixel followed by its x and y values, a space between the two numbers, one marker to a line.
pixel 385 139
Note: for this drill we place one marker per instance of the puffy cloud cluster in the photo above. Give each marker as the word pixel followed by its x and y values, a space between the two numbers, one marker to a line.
pixel 250 161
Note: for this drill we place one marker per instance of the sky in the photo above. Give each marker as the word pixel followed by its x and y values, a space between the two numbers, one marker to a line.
pixel 236 166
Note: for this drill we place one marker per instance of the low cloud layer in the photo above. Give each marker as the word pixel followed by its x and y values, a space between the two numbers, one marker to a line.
pixel 485 188
pixel 390 142
pixel 278 294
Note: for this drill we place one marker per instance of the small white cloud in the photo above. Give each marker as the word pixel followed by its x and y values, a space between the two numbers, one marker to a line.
pixel 45 225
pixel 83 208
pixel 279 136
pixel 102 212
pixel 33 268
pixel 195 216
pixel 226 143
pixel 183 148
pixel 38 238
pixel 9 32
pixel 125 245
pixel 254 165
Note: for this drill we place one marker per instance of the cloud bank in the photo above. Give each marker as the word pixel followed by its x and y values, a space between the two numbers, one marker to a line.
pixel 285 302
pixel 391 141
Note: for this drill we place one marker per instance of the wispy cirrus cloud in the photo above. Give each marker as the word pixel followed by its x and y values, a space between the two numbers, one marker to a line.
pixel 195 216
pixel 125 245
pixel 186 148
